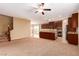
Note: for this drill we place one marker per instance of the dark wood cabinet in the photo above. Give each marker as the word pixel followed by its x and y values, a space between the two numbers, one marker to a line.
pixel 47 35
pixel 52 25
pixel 69 24
pixel 72 38
pixel 72 28
pixel 45 26
pixel 11 24
pixel 73 22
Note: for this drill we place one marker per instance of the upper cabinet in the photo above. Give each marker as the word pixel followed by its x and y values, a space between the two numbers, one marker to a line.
pixel 73 22
pixel 45 26
pixel 52 25
pixel 11 23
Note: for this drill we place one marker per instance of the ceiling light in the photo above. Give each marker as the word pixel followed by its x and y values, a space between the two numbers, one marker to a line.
pixel 40 10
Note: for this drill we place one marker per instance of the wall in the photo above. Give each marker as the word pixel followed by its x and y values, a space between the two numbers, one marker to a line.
pixel 4 21
pixel 64 30
pixel 21 28
pixel 78 29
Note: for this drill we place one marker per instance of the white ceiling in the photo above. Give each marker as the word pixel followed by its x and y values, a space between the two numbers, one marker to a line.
pixel 27 10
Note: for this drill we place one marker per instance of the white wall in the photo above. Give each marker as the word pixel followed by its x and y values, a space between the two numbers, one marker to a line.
pixel 21 28
pixel 64 29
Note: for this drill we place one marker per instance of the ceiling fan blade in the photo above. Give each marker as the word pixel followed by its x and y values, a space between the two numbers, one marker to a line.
pixel 36 11
pixel 47 9
pixel 42 13
pixel 42 4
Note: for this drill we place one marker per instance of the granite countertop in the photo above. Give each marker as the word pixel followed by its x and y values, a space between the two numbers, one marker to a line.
pixel 48 30
pixel 72 32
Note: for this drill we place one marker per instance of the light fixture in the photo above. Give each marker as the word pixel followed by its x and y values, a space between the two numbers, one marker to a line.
pixel 40 10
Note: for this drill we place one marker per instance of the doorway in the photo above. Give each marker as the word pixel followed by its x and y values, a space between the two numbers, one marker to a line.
pixel 35 30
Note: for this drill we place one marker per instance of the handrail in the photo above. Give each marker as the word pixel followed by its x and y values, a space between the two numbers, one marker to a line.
pixel 8 34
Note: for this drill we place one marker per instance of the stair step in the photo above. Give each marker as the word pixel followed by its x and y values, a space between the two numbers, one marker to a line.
pixel 3 38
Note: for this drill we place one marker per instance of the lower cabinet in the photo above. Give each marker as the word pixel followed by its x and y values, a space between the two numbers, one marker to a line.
pixel 47 35
pixel 72 39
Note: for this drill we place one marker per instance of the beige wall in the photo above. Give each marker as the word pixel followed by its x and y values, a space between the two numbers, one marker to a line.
pixel 21 28
pixel 4 21
pixel 78 29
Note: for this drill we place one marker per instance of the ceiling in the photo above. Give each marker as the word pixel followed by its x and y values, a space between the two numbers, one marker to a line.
pixel 27 10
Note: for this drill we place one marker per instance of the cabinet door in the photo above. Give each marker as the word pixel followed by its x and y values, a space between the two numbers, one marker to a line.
pixel 51 25
pixel 72 38
pixel 70 26
pixel 75 20
pixel 45 26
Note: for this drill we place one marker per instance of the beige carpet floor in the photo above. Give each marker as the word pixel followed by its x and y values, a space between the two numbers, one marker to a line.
pixel 37 47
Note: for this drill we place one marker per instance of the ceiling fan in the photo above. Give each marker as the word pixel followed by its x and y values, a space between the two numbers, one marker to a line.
pixel 42 9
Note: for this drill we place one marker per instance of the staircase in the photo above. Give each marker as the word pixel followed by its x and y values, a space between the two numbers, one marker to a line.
pixel 6 35
pixel 3 38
